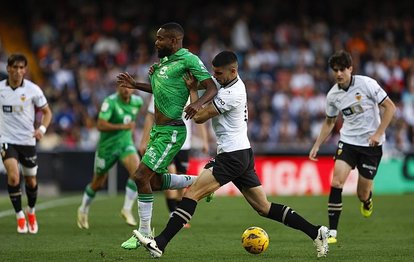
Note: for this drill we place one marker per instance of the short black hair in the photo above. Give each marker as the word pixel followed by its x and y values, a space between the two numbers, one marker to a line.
pixel 341 58
pixel 175 28
pixel 16 58
pixel 224 58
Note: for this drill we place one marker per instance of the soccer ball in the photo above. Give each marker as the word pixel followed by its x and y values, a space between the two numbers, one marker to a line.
pixel 255 240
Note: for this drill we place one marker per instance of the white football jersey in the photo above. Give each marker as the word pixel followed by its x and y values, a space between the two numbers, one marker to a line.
pixel 17 114
pixel 230 126
pixel 187 142
pixel 359 108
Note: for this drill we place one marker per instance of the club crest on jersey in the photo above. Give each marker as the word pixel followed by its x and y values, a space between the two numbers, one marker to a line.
pixel 23 97
pixel 358 96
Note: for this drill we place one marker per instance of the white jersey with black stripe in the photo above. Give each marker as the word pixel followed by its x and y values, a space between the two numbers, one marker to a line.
pixel 230 126
pixel 17 112
pixel 359 105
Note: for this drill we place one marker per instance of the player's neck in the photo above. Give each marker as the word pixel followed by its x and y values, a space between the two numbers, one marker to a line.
pixel 14 84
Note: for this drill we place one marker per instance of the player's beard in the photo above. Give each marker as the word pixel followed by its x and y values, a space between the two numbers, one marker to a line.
pixel 163 52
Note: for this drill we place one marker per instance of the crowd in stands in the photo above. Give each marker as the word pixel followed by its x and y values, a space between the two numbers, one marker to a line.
pixel 283 48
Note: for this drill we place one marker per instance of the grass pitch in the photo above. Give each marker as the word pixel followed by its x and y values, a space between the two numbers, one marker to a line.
pixel 215 231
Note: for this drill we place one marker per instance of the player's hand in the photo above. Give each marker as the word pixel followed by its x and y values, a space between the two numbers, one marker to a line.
pixel 131 125
pixel 190 81
pixel 126 80
pixel 192 109
pixel 152 68
pixel 374 140
pixel 313 153
pixel 38 134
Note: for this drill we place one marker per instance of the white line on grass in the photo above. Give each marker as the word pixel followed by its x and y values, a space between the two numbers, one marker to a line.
pixel 50 204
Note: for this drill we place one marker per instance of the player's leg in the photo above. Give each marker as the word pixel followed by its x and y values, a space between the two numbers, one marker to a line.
pixel 98 181
pixel 27 159
pixel 367 166
pixel 203 186
pixel 341 173
pixel 31 192
pixel 130 162
pixel 171 195
pixel 364 192
pixel 104 160
pixel 286 215
pixel 13 185
pixel 345 160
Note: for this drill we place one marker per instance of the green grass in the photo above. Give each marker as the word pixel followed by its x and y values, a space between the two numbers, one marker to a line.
pixel 215 233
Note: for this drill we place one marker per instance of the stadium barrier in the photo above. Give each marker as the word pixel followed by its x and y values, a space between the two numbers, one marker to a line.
pixel 280 174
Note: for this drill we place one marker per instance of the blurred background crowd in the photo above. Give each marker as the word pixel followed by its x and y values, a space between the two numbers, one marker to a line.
pixel 283 46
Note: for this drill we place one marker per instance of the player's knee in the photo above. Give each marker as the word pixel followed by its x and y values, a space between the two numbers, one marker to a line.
pixel 29 171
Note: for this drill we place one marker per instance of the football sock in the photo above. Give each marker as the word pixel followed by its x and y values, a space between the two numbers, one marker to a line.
pixel 334 207
pixel 181 216
pixel 130 194
pixel 15 194
pixel 290 218
pixel 145 203
pixel 173 181
pixel 87 198
pixel 31 196
pixel 171 204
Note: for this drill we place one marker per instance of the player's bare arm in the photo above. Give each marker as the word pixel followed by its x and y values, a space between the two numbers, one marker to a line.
pixel 126 80
pixel 105 126
pixel 388 114
pixel 46 118
pixel 206 113
pixel 326 129
pixel 211 92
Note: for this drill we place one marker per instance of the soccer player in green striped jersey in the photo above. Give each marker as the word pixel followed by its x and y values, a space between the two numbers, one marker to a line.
pixel 116 123
pixel 169 132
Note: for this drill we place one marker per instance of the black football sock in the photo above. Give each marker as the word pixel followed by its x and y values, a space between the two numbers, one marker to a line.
pixel 290 218
pixel 171 204
pixel 334 207
pixel 179 218
pixel 15 194
pixel 31 196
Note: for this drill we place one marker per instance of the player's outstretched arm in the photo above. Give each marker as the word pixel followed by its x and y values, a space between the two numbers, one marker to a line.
pixel 326 129
pixel 126 80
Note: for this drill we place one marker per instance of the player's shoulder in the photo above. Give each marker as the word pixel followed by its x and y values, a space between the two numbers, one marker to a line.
pixel 3 83
pixel 31 86
pixel 364 80
pixel 112 98
pixel 137 100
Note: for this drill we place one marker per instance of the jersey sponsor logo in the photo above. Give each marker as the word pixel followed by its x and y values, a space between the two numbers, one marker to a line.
pixel 12 109
pixel 127 119
pixel 356 109
pixel 7 109
pixel 163 72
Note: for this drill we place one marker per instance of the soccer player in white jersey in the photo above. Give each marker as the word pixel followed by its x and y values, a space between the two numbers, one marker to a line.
pixel 19 98
pixel 358 99
pixel 234 162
